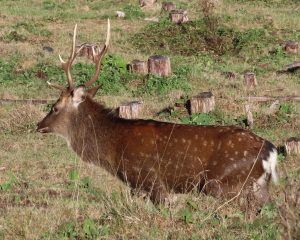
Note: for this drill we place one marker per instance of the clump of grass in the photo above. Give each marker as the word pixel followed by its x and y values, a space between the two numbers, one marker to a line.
pixel 32 27
pixel 156 85
pixel 199 37
pixel 166 37
pixel 13 36
pixel 21 119
pixel 133 12
pixel 289 213
pixel 85 229
pixel 21 32
pixel 216 117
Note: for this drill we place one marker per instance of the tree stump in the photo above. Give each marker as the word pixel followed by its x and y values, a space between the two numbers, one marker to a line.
pixel 249 116
pixel 159 65
pixel 131 110
pixel 179 16
pixel 202 103
pixel 87 50
pixel 168 6
pixel 139 67
pixel 250 80
pixel 291 46
pixel 292 146
pixel 147 3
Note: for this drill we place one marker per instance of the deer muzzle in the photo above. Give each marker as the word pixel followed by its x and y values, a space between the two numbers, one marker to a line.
pixel 42 129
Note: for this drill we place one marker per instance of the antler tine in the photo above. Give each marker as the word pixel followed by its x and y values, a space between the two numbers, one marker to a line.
pixel 55 86
pixel 67 65
pixel 97 57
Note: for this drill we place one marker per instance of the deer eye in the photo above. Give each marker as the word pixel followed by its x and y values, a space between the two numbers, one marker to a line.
pixel 55 109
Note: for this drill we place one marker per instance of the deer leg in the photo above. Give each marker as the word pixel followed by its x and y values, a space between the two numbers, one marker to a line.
pixel 213 187
pixel 260 189
pixel 155 188
pixel 158 193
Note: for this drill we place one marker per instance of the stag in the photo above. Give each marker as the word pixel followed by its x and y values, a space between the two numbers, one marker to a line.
pixel 158 157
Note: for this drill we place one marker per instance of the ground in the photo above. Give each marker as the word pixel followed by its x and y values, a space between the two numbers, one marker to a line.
pixel 47 192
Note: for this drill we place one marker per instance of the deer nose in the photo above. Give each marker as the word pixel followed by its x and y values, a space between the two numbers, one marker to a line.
pixel 42 129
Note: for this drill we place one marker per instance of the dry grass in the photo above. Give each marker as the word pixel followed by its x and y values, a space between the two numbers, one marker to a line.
pixel 39 198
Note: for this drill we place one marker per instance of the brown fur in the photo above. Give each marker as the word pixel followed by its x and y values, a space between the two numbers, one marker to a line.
pixel 158 157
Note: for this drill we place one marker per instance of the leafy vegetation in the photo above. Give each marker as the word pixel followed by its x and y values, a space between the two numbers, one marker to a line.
pixel 46 192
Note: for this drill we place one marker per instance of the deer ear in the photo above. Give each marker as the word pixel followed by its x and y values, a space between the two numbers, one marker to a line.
pixel 92 91
pixel 78 95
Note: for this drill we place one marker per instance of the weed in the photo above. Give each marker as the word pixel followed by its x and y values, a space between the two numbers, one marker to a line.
pixel 68 230
pixel 73 175
pixel 7 185
pixel 89 229
pixel 186 215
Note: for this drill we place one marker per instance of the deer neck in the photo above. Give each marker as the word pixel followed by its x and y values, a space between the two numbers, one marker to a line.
pixel 93 136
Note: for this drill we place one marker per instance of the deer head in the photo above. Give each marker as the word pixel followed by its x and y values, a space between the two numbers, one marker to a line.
pixel 58 119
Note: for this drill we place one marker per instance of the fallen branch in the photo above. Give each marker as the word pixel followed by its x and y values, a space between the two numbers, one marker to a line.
pixel 268 99
pixel 26 101
pixel 290 67
pixel 293 66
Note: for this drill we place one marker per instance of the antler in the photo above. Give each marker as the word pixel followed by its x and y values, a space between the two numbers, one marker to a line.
pixel 67 65
pixel 97 57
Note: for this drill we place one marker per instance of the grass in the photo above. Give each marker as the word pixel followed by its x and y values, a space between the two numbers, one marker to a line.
pixel 46 192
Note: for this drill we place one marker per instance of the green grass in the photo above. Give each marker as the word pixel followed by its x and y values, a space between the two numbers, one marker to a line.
pixel 46 192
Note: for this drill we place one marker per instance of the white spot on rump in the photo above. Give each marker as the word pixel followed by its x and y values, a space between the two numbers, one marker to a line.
pixel 269 165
